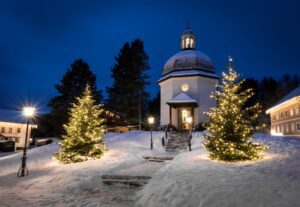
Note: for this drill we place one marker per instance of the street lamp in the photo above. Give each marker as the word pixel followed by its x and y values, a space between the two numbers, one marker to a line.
pixel 151 122
pixel 28 112
pixel 190 121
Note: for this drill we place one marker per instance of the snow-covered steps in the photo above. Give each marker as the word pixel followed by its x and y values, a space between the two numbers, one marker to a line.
pixel 157 158
pixel 127 180
pixel 135 176
pixel 177 142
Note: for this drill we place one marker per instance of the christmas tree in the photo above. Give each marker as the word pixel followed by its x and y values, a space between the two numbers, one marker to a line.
pixel 71 86
pixel 231 123
pixel 84 139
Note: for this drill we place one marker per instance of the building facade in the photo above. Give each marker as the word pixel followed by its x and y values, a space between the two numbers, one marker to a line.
pixel 13 128
pixel 186 84
pixel 285 115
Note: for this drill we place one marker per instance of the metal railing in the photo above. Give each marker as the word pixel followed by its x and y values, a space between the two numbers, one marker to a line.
pixel 165 137
pixel 190 139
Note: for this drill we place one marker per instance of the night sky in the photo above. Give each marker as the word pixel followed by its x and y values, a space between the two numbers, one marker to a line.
pixel 40 39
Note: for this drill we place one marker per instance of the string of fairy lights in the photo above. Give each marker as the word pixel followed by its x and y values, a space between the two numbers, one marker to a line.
pixel 230 123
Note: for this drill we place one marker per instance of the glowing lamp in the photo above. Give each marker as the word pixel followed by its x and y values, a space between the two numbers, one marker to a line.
pixel 151 120
pixel 28 111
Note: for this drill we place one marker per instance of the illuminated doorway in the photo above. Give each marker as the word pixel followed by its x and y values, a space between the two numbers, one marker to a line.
pixel 183 115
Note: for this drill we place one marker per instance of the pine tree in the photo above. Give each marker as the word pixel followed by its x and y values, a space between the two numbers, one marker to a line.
pixel 84 139
pixel 230 124
pixel 72 85
pixel 125 96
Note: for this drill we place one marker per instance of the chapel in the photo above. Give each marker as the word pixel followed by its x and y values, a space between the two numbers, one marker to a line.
pixel 186 84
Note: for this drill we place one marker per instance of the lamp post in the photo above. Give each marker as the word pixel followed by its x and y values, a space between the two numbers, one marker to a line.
pixel 28 112
pixel 190 121
pixel 151 122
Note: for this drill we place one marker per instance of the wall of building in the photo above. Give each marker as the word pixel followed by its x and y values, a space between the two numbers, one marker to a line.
pixel 200 89
pixel 166 93
pixel 205 88
pixel 16 132
pixel 286 120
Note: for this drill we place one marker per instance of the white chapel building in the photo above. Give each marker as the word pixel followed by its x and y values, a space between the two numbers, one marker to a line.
pixel 186 84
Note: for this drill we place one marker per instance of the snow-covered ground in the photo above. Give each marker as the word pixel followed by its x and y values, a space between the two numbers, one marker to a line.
pixel 191 179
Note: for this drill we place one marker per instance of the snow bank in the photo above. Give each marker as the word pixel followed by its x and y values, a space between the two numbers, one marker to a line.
pixel 194 180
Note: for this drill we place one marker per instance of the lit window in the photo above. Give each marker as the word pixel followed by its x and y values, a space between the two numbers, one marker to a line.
pixel 292 127
pixel 297 111
pixel 3 130
pixel 286 113
pixel 286 128
pixel 292 112
pixel 274 117
pixel 18 130
pixel 298 126
pixel 187 42
pixel 10 130
pixel 281 114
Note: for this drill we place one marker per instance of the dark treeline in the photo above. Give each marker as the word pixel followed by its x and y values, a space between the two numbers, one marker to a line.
pixel 127 99
pixel 268 91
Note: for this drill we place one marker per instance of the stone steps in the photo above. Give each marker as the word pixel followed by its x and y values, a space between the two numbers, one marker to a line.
pixel 157 159
pixel 177 142
pixel 125 180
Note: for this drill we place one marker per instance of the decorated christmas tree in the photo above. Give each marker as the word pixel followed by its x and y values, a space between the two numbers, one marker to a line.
pixel 84 139
pixel 230 123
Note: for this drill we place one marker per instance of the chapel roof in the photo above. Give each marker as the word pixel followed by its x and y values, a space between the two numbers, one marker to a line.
pixel 188 58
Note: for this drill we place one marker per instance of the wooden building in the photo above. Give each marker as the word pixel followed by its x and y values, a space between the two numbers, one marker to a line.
pixel 285 115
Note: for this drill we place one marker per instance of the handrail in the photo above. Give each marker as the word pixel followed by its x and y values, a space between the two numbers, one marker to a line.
pixel 190 139
pixel 166 131
pixel 165 137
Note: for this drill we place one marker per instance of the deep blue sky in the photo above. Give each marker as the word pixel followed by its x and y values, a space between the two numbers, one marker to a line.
pixel 40 39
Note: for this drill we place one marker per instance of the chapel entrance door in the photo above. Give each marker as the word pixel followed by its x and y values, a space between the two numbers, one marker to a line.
pixel 183 114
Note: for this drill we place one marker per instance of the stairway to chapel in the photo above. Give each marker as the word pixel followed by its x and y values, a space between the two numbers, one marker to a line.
pixel 177 141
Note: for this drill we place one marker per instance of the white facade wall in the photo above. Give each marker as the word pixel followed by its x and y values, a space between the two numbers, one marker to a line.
pixel 205 88
pixel 200 89
pixel 166 93
pixel 20 141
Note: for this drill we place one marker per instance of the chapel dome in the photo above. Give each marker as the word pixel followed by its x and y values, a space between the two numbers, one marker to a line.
pixel 188 58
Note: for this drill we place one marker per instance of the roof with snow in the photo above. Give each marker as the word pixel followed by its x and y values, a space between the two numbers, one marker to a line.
pixel 11 116
pixel 294 94
pixel 188 60
pixel 182 73
pixel 182 98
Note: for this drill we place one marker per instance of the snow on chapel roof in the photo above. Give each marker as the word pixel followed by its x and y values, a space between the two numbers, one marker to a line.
pixel 182 98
